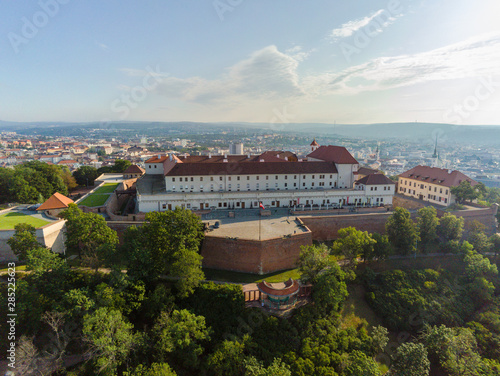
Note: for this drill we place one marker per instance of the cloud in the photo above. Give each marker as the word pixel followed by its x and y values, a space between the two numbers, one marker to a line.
pixel 298 54
pixel 267 74
pixel 102 46
pixel 474 57
pixel 381 18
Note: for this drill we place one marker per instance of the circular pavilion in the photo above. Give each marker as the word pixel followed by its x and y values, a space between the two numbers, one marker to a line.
pixel 279 298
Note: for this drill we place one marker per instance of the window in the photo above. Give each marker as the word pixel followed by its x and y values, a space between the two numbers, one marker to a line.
pixel 303 184
pixel 220 178
pixel 295 176
pixel 173 179
pixel 286 177
pixel 192 187
pixel 180 179
pixel 294 184
pixel 248 177
pixel 238 186
pixel 248 186
pixel 155 166
pixel 211 178
pixel 286 185
pixel 229 186
pixel 164 206
pixel 331 176
pixel 220 204
pixel 440 190
pixel 312 184
pixel 220 187
pixel 276 177
pixel 192 178
pixel 188 206
pixel 201 179
pixel 371 188
pixel 229 178
pixel 212 187
pixel 257 177
pixel 313 176
pixel 257 186
pixel 237 178
pixel 267 177
pixel 303 176
pixel 382 199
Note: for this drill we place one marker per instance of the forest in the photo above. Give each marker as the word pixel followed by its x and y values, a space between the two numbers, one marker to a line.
pixel 143 306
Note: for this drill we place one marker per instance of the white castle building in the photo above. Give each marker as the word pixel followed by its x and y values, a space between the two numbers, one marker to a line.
pixel 326 178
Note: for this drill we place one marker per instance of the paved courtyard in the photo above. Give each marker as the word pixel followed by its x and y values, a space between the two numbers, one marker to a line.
pixel 252 228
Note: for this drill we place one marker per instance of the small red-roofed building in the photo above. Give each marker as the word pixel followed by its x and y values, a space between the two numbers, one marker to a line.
pixel 431 184
pixel 374 183
pixel 55 204
pixel 133 172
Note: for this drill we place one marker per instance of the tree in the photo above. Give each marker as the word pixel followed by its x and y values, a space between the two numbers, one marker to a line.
pixel 121 165
pixel 40 260
pixel 170 241
pixel 410 360
pixel 256 368
pixel 401 231
pixel 360 364
pixel 68 179
pixel 85 175
pixel 330 289
pixel 382 247
pixel 466 192
pixel 89 235
pixel 477 237
pixel 354 243
pixel 228 359
pixel 450 227
pixel 23 240
pixel 427 223
pixel 180 336
pixel 494 243
pixel 156 369
pixel 380 338
pixel 312 261
pixel 476 265
pixel 109 337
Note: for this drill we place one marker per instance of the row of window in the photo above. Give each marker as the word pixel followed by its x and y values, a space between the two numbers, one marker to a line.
pixel 422 186
pixel 273 203
pixel 257 186
pixel 276 177
pixel 429 196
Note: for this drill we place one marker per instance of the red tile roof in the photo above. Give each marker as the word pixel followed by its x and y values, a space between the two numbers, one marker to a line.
pixel 256 168
pixel 134 169
pixel 367 171
pixel 439 176
pixel 291 287
pixel 336 154
pixel 375 179
pixel 56 201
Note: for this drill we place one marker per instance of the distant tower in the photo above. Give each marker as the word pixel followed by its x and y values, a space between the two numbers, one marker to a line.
pixel 377 152
pixel 236 149
pixel 314 145
pixel 435 156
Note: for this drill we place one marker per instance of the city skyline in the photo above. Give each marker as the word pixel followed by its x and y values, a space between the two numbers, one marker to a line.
pixel 381 61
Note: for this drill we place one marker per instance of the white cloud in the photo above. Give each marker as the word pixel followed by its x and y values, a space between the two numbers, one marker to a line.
pixel 267 74
pixel 102 46
pixel 298 53
pixel 471 58
pixel 382 18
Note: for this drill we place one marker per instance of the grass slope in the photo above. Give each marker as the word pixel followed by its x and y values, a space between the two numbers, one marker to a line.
pixel 94 200
pixel 9 220
pixel 106 188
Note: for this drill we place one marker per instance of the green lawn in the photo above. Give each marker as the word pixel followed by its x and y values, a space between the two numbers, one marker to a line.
pixel 229 276
pixel 9 220
pixel 94 200
pixel 106 188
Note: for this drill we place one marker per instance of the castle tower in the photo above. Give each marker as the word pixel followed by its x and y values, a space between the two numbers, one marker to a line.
pixel 435 156
pixel 314 145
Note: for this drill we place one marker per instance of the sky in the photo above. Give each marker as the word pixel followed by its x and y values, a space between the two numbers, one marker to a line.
pixel 280 61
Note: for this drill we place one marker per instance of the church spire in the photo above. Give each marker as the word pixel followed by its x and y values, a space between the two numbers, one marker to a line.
pixel 435 155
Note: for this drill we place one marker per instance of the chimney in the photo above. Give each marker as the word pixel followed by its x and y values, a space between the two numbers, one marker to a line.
pixel 209 155
pixel 225 155
pixel 286 159
pixel 170 157
pixel 159 156
pixel 248 156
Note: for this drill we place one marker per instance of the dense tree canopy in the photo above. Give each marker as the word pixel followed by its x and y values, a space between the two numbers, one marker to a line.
pixel 402 231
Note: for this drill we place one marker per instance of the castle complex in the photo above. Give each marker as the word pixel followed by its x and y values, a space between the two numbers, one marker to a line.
pixel 325 178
